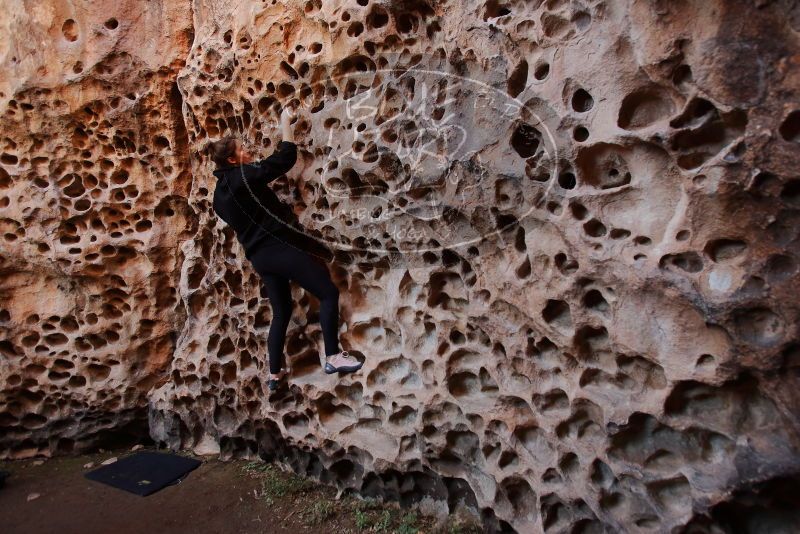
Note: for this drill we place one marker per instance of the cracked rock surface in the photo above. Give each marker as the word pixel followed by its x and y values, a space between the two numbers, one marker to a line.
pixel 566 236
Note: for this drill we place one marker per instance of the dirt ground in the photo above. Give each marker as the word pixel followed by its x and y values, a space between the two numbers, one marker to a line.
pixel 237 496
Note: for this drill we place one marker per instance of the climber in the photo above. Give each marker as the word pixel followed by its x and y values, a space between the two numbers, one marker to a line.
pixel 244 201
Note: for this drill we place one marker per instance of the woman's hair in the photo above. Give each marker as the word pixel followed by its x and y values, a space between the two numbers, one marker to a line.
pixel 221 150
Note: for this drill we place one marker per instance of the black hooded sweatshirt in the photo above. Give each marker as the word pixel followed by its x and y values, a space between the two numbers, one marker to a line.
pixel 244 201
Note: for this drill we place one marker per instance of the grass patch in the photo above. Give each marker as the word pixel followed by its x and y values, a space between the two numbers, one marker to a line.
pixel 279 484
pixel 372 515
pixel 384 521
pixel 408 524
pixel 256 467
pixel 320 511
pixel 363 521
pixel 276 483
pixel 367 503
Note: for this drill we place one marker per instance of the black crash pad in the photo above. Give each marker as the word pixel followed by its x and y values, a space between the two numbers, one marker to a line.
pixel 144 472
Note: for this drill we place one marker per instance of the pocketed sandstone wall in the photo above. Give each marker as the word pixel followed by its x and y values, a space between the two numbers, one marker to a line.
pixel 565 234
pixel 94 184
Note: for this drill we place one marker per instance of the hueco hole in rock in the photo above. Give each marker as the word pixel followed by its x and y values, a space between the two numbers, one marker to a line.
pixel 539 260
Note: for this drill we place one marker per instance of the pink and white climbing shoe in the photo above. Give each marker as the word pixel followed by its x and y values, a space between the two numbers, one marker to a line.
pixel 342 362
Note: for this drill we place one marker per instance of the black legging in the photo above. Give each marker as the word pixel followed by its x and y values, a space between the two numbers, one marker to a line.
pixel 278 262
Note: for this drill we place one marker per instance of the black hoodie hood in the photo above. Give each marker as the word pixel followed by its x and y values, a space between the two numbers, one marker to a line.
pixel 221 171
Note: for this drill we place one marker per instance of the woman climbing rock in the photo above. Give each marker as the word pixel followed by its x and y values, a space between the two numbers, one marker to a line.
pixel 243 199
